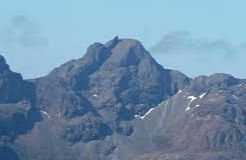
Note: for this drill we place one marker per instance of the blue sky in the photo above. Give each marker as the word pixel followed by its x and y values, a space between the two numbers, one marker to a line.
pixel 206 36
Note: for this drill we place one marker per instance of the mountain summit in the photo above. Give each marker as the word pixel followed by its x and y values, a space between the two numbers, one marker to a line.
pixel 117 102
pixel 121 73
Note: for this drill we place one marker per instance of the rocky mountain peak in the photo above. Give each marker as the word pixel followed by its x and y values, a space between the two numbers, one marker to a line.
pixel 112 43
pixel 215 82
pixel 11 84
pixel 2 59
pixel 114 54
pixel 120 76
pixel 127 52
pixel 3 65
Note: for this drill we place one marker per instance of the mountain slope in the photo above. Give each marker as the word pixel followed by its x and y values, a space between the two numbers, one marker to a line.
pixel 204 121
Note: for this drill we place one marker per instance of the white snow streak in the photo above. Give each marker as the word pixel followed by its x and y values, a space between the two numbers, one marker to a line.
pixel 44 112
pixel 235 97
pixel 179 92
pixel 142 117
pixel 191 98
pixel 95 95
pixel 203 95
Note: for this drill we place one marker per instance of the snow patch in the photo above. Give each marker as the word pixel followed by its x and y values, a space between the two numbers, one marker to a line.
pixel 191 98
pixel 223 91
pixel 142 117
pixel 188 108
pixel 179 92
pixel 95 95
pixel 203 95
pixel 235 97
pixel 44 112
pixel 151 109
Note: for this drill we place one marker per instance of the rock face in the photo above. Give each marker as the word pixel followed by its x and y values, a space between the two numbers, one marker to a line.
pixel 17 112
pixel 16 100
pixel 12 86
pixel 117 102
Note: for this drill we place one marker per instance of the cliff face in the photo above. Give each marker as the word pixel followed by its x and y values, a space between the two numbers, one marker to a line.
pixel 12 87
pixel 17 108
pixel 117 102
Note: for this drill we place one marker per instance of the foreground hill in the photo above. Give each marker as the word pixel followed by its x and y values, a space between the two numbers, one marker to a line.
pixel 118 103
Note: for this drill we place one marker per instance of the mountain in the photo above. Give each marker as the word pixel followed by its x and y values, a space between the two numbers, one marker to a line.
pixel 205 120
pixel 117 102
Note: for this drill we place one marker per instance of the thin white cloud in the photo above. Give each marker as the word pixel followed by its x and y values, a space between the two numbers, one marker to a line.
pixel 183 42
pixel 22 31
